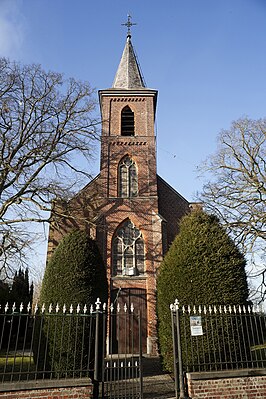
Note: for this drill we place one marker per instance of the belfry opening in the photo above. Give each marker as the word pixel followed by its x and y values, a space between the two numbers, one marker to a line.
pixel 127 122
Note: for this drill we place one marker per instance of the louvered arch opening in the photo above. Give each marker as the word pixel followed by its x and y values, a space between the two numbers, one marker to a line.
pixel 127 122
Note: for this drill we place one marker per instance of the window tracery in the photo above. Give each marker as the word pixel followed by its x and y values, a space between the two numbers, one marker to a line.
pixel 128 178
pixel 128 251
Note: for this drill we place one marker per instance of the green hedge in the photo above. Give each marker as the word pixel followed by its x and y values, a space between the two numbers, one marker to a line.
pixel 202 267
pixel 75 274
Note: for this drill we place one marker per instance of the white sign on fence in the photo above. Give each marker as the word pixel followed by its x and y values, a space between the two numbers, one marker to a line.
pixel 195 325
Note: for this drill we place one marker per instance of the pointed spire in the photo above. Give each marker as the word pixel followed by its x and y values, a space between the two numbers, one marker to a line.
pixel 128 75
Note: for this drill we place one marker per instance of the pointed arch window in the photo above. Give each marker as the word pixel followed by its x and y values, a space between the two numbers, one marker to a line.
pixel 128 251
pixel 127 178
pixel 127 122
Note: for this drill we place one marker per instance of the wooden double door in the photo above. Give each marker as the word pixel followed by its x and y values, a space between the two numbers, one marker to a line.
pixel 128 323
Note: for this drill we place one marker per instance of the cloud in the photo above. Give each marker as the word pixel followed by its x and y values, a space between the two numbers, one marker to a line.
pixel 12 28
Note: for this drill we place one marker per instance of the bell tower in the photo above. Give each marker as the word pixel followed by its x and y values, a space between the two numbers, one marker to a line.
pixel 132 225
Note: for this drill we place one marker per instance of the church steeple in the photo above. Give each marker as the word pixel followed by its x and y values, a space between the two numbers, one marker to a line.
pixel 128 75
pixel 132 213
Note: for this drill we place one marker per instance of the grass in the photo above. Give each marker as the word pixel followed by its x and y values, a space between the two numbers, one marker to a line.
pixel 15 367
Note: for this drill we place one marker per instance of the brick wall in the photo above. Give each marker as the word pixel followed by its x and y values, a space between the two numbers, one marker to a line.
pixel 172 207
pixel 47 390
pixel 234 384
pixel 142 104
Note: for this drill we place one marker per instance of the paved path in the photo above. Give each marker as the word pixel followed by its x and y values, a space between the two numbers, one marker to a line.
pixel 156 383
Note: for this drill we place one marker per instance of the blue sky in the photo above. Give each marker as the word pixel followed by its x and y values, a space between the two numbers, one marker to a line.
pixel 207 59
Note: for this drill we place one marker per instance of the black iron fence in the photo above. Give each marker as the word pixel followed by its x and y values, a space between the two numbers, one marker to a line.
pixel 52 343
pixel 219 337
pixel 76 342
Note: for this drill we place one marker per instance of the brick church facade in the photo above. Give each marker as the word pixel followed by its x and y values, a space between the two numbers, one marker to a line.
pixel 130 210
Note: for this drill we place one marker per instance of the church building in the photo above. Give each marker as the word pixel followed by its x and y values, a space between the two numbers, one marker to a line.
pixel 130 210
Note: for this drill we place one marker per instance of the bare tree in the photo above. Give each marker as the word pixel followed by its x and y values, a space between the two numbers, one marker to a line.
pixel 47 131
pixel 237 189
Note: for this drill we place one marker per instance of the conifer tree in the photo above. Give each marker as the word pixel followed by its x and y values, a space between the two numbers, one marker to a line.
pixel 75 274
pixel 202 267
pixel 4 292
pixel 21 292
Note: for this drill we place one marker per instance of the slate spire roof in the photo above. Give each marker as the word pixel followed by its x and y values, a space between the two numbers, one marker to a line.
pixel 128 75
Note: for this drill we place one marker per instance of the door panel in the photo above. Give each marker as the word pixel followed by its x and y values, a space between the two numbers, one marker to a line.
pixel 124 325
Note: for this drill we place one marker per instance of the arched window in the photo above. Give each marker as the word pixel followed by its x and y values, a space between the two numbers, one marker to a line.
pixel 127 178
pixel 127 122
pixel 128 251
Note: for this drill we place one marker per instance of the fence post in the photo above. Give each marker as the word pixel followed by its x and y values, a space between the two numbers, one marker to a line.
pixel 96 350
pixel 140 356
pixel 105 315
pixel 173 319
pixel 179 353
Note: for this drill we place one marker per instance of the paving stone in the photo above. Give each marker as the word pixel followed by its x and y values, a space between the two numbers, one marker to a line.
pixel 157 384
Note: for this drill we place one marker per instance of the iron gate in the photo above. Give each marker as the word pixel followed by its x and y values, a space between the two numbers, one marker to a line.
pixel 122 367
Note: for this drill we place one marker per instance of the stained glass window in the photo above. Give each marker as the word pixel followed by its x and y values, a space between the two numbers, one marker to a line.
pixel 128 251
pixel 128 178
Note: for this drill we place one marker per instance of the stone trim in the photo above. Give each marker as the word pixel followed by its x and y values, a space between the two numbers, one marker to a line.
pixel 211 375
pixel 44 384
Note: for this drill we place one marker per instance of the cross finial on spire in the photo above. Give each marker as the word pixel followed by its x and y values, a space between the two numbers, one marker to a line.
pixel 128 24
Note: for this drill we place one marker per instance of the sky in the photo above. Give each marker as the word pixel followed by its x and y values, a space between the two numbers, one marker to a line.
pixel 206 58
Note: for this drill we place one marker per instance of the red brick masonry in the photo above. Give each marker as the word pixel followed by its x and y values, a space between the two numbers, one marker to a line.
pixel 67 389
pixel 234 384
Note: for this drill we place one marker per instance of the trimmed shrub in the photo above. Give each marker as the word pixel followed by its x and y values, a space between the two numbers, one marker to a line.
pixel 75 274
pixel 202 267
